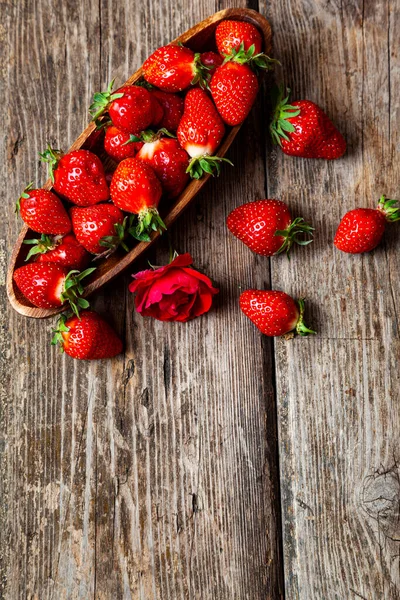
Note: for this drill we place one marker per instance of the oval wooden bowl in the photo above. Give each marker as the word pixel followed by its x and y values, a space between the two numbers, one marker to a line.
pixel 199 38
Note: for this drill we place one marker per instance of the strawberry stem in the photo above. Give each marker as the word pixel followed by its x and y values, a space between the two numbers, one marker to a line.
pixel 301 327
pixel 292 233
pixel 390 209
pixel 101 103
pixel 112 242
pixel 24 195
pixel 206 164
pixel 51 156
pixel 202 73
pixel 280 126
pixel 257 62
pixel 42 245
pixel 73 290
pixel 148 221
pixel 60 329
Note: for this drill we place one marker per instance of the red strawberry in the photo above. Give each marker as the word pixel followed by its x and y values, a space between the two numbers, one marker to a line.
pixel 274 313
pixel 200 132
pixel 303 129
pixel 234 85
pixel 130 108
pixel 211 60
pixel 48 285
pixel 65 251
pixel 168 159
pixel 230 34
pixel 362 229
pixel 120 145
pixel 43 212
pixel 77 176
pixel 174 68
pixel 158 112
pixel 173 109
pixel 136 188
pixel 87 337
pixel 266 227
pixel 99 227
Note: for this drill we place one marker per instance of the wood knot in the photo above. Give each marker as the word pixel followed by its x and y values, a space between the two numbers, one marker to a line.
pixel 381 500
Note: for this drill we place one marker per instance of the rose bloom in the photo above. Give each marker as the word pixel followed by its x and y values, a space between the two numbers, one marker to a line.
pixel 174 292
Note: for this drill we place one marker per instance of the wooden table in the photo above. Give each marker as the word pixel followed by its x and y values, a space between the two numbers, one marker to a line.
pixel 207 461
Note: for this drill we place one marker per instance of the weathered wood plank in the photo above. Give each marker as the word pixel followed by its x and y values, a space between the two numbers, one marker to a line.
pixel 153 475
pixel 339 420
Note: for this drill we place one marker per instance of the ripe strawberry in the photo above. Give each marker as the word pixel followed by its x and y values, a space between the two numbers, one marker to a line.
pixel 200 132
pixel 168 160
pixel 99 227
pixel 174 68
pixel 130 108
pixel 230 34
pixel 303 129
pixel 65 251
pixel 48 285
pixel 362 229
pixel 136 188
pixel 77 176
pixel 211 60
pixel 86 337
pixel 43 212
pixel 158 111
pixel 266 227
pixel 274 313
pixel 234 85
pixel 173 109
pixel 120 145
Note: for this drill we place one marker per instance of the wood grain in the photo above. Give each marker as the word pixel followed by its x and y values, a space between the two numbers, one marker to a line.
pixel 338 409
pixel 153 475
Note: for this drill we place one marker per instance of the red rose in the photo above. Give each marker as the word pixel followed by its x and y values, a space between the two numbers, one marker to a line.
pixel 173 292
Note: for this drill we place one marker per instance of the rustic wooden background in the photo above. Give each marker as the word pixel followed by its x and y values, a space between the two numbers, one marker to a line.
pixel 208 462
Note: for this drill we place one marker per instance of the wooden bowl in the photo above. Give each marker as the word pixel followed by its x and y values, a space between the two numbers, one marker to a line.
pixel 199 38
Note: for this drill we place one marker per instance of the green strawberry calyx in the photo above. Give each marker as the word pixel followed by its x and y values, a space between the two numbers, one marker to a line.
pixel 24 196
pixel 51 157
pixel 206 164
pixel 73 290
pixel 389 208
pixel 258 62
pixel 301 327
pixel 202 73
pixel 280 126
pixel 102 101
pixel 42 245
pixel 298 227
pixel 112 242
pixel 61 328
pixel 148 135
pixel 147 221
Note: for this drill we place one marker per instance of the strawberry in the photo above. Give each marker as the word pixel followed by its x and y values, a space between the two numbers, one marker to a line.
pixel 120 145
pixel 174 68
pixel 49 285
pixel 234 85
pixel 362 229
pixel 99 227
pixel 78 176
pixel 200 132
pixel 136 188
pixel 274 313
pixel 158 112
pixel 173 109
pixel 86 337
pixel 130 108
pixel 211 60
pixel 303 129
pixel 43 212
pixel 65 251
pixel 230 34
pixel 266 227
pixel 168 160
